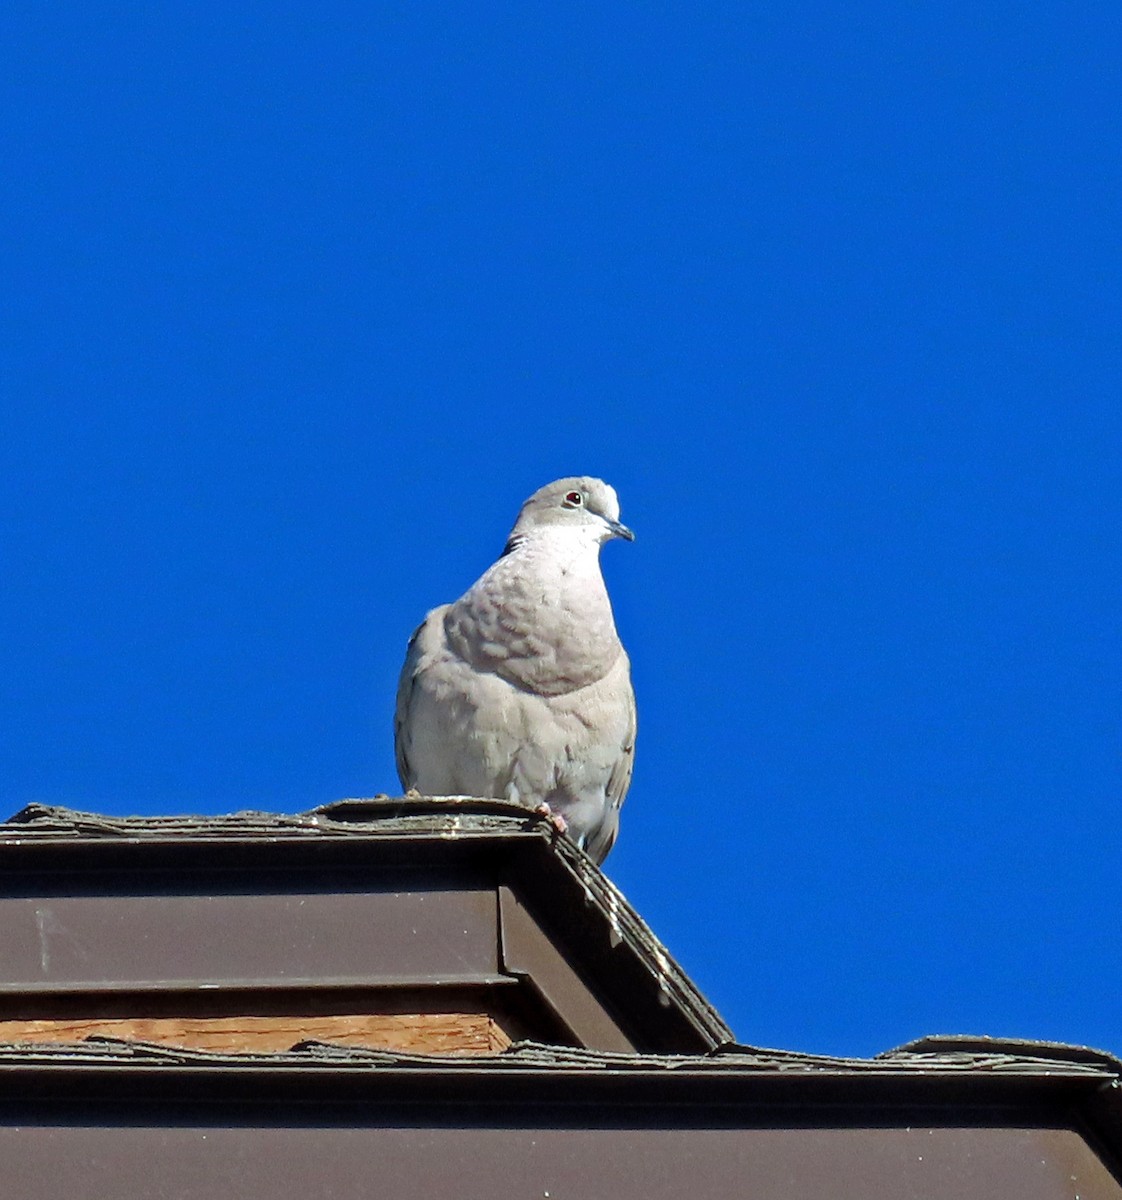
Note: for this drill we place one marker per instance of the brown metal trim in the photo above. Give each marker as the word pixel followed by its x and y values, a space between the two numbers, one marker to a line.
pixel 500 995
pixel 526 951
pixel 481 1164
pixel 605 939
pixel 300 939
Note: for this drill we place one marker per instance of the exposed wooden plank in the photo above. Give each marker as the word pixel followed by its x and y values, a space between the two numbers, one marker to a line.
pixel 423 1033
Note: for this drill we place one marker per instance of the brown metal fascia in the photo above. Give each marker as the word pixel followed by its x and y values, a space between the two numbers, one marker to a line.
pixel 199 854
pixel 314 940
pixel 180 916
pixel 1101 1122
pixel 528 953
pixel 606 941
pixel 479 1163
pixel 765 1099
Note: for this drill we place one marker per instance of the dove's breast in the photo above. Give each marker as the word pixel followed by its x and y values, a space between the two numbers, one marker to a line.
pixel 543 625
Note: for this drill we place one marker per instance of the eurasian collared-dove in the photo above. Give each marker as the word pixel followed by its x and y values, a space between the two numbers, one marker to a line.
pixel 521 689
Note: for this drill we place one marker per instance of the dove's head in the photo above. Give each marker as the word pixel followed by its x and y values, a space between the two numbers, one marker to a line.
pixel 588 507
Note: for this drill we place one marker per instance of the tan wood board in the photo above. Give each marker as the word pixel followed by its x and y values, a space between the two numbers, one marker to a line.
pixel 423 1033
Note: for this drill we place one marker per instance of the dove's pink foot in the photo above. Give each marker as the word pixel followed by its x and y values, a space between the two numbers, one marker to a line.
pixel 555 818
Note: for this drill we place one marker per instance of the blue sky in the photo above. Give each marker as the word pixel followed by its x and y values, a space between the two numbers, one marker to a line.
pixel 301 301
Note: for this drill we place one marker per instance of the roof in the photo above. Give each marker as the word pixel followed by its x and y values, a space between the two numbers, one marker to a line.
pixel 686 1108
pixel 935 1081
pixel 110 1119
pixel 564 924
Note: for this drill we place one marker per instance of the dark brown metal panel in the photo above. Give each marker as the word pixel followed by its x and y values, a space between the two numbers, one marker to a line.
pixel 527 951
pixel 200 1162
pixel 610 944
pixel 90 941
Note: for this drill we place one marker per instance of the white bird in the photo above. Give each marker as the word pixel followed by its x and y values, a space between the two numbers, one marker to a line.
pixel 521 688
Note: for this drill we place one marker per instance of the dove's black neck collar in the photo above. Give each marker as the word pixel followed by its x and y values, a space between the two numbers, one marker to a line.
pixel 513 542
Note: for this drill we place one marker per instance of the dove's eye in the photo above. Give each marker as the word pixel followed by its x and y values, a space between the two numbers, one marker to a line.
pixel 573 500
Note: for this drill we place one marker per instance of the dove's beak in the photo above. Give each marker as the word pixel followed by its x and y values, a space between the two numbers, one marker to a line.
pixel 621 531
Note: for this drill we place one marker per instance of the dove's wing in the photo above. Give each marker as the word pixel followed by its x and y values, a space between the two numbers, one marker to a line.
pixel 601 840
pixel 417 656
